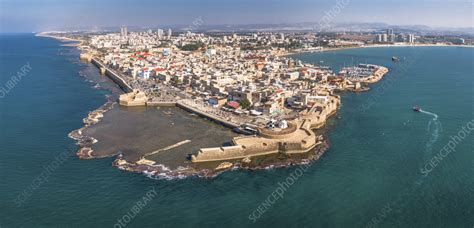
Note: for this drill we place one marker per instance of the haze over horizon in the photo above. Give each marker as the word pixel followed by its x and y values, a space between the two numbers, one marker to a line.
pixel 34 15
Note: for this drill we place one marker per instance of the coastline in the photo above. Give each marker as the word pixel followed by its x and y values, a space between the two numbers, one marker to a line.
pixel 289 54
pixel 376 147
pixel 160 171
pixel 86 152
pixel 77 42
pixel 85 142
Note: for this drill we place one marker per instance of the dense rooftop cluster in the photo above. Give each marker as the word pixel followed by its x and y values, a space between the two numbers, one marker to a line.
pixel 221 70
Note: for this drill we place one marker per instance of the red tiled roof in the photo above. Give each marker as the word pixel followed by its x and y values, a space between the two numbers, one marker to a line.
pixel 233 104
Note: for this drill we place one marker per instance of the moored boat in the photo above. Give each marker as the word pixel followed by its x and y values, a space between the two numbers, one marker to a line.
pixel 245 130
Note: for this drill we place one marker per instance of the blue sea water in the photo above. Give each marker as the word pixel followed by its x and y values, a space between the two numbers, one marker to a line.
pixel 371 175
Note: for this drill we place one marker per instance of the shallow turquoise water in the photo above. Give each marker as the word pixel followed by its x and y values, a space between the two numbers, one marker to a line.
pixel 377 149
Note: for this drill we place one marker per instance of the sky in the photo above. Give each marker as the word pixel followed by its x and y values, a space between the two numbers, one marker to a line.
pixel 47 15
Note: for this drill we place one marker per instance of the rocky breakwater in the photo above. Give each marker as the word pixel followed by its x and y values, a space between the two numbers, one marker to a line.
pixel 83 141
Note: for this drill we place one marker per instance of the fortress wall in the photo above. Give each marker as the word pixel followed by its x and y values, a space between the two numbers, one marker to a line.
pixel 260 147
pixel 297 138
pixel 113 76
pixel 225 154
pixel 255 146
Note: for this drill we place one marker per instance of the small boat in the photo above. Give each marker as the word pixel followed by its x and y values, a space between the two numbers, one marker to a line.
pixel 417 109
pixel 245 130
pixel 240 130
pixel 395 59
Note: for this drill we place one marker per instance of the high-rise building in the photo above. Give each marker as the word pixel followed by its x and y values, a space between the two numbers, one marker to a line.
pixel 170 32
pixel 378 38
pixel 160 33
pixel 389 32
pixel 459 41
pixel 411 38
pixel 384 38
pixel 124 31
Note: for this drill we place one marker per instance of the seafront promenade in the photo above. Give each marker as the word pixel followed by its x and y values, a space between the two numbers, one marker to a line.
pixel 114 76
pixel 213 114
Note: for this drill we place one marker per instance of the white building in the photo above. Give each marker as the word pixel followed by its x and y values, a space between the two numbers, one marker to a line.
pixel 124 31
pixel 160 33
pixel 411 38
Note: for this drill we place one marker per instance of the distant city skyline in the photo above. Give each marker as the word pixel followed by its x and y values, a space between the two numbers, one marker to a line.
pixel 35 15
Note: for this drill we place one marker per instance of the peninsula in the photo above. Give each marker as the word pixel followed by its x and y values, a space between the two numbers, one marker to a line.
pixel 274 102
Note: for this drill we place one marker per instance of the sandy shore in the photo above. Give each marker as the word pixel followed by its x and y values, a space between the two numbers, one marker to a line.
pixel 289 54
pixel 417 45
pixel 61 38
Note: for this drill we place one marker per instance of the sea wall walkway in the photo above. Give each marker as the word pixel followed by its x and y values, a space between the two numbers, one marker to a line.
pixel 193 107
pixel 114 76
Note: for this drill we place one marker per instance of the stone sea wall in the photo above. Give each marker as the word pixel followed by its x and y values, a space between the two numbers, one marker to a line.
pixel 297 138
pixel 112 75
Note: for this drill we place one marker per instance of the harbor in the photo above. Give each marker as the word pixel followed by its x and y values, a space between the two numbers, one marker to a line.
pixel 298 138
pixel 237 114
pixel 275 122
pixel 361 155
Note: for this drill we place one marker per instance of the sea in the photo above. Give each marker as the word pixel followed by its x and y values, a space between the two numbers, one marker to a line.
pixel 387 166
